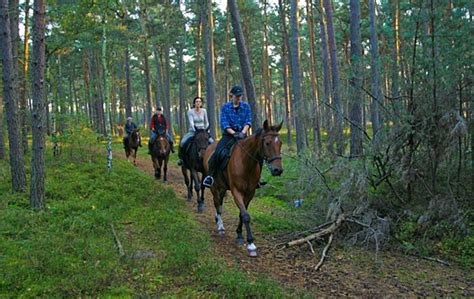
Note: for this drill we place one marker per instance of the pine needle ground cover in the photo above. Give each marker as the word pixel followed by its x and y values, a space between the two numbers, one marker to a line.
pixel 69 249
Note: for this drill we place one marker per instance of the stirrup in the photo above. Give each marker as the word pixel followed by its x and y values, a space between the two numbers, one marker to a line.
pixel 179 162
pixel 208 181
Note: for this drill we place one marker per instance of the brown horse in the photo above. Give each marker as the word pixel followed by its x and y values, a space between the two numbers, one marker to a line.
pixel 160 153
pixel 243 174
pixel 192 163
pixel 131 143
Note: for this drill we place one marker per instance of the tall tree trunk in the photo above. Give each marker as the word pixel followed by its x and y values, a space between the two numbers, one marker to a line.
pixel 37 190
pixel 315 100
pixel 108 128
pixel 198 55
pixel 267 84
pixel 2 129
pixel 327 120
pixel 17 164
pixel 227 56
pixel 356 80
pixel 396 52
pixel 128 101
pixel 159 75
pixel 298 104
pixel 337 132
pixel 244 61
pixel 208 45
pixel 375 70
pixel 285 72
pixel 147 81
pixel 24 88
pixel 167 89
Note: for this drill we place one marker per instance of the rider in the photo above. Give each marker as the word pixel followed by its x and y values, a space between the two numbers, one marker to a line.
pixel 129 127
pixel 197 117
pixel 236 119
pixel 159 124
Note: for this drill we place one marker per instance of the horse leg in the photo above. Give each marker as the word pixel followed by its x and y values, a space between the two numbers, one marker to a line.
pixel 165 170
pixel 135 157
pixel 156 166
pixel 200 193
pixel 240 237
pixel 218 198
pixel 158 169
pixel 242 202
pixel 187 182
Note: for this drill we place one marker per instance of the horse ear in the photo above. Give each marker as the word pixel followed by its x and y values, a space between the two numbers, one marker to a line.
pixel 265 125
pixel 195 128
pixel 278 128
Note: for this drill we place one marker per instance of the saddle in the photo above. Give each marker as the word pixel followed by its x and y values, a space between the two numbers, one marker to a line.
pixel 223 156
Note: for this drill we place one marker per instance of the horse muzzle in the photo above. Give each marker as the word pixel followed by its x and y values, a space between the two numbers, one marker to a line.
pixel 276 171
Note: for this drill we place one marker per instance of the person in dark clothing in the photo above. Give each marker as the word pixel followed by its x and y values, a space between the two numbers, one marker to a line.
pixel 129 127
pixel 159 124
pixel 236 119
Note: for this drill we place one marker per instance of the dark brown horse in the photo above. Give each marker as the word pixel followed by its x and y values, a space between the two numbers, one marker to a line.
pixel 243 174
pixel 192 164
pixel 160 154
pixel 131 144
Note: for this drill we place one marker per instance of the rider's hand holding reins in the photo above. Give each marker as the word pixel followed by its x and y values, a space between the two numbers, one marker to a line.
pixel 239 135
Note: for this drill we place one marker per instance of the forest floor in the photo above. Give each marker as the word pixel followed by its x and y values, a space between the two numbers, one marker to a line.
pixel 346 272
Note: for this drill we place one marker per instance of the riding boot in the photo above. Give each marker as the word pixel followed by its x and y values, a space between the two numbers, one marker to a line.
pixel 172 147
pixel 149 148
pixel 209 179
pixel 180 155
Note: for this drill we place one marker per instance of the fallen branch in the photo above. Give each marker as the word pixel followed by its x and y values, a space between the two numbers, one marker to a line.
pixel 310 247
pixel 330 230
pixel 324 254
pixel 117 242
pixel 433 259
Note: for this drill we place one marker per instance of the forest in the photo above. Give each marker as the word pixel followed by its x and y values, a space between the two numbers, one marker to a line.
pixel 362 111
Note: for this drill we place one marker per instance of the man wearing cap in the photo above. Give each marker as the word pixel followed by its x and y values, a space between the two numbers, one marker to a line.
pixel 159 124
pixel 236 119
pixel 129 127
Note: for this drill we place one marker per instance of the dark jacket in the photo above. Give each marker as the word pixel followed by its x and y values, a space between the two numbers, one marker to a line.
pixel 129 127
pixel 159 123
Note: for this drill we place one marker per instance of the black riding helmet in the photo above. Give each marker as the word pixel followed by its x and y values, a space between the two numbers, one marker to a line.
pixel 237 91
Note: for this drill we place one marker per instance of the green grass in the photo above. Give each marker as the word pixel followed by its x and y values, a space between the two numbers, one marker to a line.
pixel 68 249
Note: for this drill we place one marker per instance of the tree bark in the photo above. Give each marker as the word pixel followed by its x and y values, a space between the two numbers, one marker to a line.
pixel 327 120
pixel 17 164
pixel 315 100
pixel 37 189
pixel 24 87
pixel 337 132
pixel 167 102
pixel 375 70
pixel 267 84
pixel 356 80
pixel 208 45
pixel 198 55
pixel 2 135
pixel 285 72
pixel 128 101
pixel 298 105
pixel 244 61
pixel 108 128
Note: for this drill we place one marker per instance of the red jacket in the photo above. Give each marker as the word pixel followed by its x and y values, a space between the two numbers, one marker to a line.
pixel 158 121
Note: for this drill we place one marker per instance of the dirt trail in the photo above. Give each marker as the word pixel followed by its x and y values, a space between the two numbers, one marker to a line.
pixel 343 274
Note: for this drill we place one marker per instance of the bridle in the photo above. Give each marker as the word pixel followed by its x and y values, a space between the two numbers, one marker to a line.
pixel 265 159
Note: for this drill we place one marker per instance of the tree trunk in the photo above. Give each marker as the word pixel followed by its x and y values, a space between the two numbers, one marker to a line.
pixel 298 104
pixel 147 81
pixel 198 55
pixel 24 88
pixel 207 43
pixel 128 101
pixel 244 61
pixel 167 102
pixel 337 132
pixel 267 84
pixel 108 129
pixel 285 72
pixel 375 70
pixel 396 52
pixel 327 120
pixel 37 189
pixel 159 75
pixel 2 129
pixel 17 164
pixel 227 56
pixel 315 100
pixel 356 80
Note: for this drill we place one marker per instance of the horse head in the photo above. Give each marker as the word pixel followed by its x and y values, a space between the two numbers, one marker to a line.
pixel 161 142
pixel 135 136
pixel 201 140
pixel 271 147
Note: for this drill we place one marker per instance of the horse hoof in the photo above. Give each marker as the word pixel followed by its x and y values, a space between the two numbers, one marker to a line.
pixel 221 232
pixel 239 241
pixel 200 207
pixel 252 250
